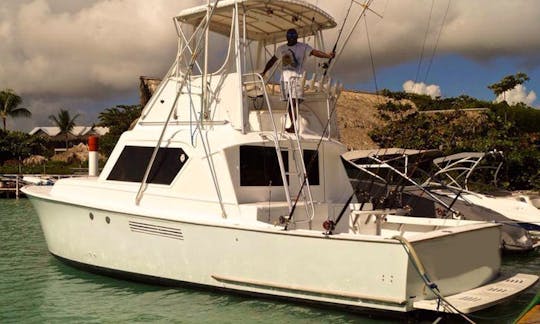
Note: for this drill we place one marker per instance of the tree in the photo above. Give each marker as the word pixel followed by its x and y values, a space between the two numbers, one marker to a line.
pixel 65 122
pixel 518 136
pixel 19 145
pixel 119 120
pixel 9 106
pixel 509 82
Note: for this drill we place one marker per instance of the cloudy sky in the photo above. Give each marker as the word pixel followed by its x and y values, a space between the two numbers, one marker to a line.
pixel 87 55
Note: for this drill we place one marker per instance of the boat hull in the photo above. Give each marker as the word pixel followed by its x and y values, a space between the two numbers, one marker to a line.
pixel 297 264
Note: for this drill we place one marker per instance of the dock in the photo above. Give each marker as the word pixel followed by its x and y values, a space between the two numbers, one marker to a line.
pixel 10 185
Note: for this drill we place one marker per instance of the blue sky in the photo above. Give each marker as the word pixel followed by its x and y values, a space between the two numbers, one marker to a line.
pixel 87 55
pixel 455 75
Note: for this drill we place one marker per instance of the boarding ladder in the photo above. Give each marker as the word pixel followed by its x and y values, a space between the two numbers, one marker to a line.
pixel 297 153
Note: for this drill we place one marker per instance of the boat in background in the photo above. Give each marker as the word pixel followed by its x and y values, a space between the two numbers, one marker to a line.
pixel 396 178
pixel 452 180
pixel 209 189
pixel 37 180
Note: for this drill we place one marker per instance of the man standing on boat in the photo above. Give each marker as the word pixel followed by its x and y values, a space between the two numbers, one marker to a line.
pixel 292 57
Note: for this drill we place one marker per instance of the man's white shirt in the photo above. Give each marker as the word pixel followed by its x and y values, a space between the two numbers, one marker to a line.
pixel 292 65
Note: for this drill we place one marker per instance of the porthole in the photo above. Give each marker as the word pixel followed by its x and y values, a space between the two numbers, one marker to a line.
pixel 91 216
pixel 108 220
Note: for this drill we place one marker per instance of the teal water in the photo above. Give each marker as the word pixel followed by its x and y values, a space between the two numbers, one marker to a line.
pixel 37 288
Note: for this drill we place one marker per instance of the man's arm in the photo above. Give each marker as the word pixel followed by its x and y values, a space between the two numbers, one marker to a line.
pixel 322 54
pixel 269 64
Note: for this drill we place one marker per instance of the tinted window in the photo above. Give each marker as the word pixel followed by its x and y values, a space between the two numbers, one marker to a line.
pixel 259 165
pixel 133 161
pixel 312 167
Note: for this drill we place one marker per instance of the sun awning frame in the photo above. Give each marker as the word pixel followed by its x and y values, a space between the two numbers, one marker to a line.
pixel 266 20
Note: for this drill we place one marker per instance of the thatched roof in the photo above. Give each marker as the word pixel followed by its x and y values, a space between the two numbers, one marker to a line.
pixel 34 160
pixel 78 153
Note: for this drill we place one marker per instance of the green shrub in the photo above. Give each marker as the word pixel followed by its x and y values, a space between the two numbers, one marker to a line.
pixel 513 130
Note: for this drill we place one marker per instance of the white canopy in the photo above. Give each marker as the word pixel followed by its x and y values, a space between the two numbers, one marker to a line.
pixel 386 152
pixel 265 19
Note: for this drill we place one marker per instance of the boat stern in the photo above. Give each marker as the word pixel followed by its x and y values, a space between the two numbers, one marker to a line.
pixel 460 270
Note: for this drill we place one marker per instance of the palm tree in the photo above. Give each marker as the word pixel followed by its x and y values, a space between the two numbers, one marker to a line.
pixel 9 106
pixel 64 121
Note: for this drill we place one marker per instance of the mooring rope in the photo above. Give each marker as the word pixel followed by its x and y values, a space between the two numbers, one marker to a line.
pixel 417 263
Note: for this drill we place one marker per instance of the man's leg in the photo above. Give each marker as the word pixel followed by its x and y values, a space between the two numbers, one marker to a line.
pixel 291 110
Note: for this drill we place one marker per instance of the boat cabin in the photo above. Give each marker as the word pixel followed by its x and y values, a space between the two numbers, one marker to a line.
pixel 214 130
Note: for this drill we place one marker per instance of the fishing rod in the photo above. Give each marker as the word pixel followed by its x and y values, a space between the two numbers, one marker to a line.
pixel 413 182
pixel 327 64
pixel 329 225
pixel 314 156
pixel 308 169
pixel 382 199
pixel 310 165
pixel 401 184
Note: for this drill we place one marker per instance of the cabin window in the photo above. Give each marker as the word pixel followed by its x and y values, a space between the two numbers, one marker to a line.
pixel 259 166
pixel 312 167
pixel 133 161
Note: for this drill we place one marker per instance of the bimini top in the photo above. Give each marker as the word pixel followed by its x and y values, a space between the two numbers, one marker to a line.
pixel 265 19
pixel 388 153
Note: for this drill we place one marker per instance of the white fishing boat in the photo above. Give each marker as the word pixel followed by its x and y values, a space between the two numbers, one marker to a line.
pixel 209 189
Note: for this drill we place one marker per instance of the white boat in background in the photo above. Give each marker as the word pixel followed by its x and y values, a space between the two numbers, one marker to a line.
pixel 38 180
pixel 393 177
pixel 209 189
pixel 456 170
pixel 531 199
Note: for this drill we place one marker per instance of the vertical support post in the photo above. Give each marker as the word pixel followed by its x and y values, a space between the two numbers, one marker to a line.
pixel 260 50
pixel 205 114
pixel 93 158
pixel 239 70
pixel 17 187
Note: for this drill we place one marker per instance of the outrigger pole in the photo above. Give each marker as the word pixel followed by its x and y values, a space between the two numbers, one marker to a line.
pixel 365 7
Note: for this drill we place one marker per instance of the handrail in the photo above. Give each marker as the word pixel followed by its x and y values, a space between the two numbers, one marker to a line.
pixel 173 108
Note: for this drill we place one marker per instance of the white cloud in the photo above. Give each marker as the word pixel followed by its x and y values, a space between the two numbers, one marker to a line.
pixel 86 51
pixel 95 49
pixel 473 29
pixel 79 52
pixel 431 90
pixel 517 95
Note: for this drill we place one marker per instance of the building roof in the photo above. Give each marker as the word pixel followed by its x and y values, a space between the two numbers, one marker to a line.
pixel 77 131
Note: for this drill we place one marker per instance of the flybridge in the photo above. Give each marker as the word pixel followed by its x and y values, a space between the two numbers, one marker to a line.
pixel 236 95
pixel 192 95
